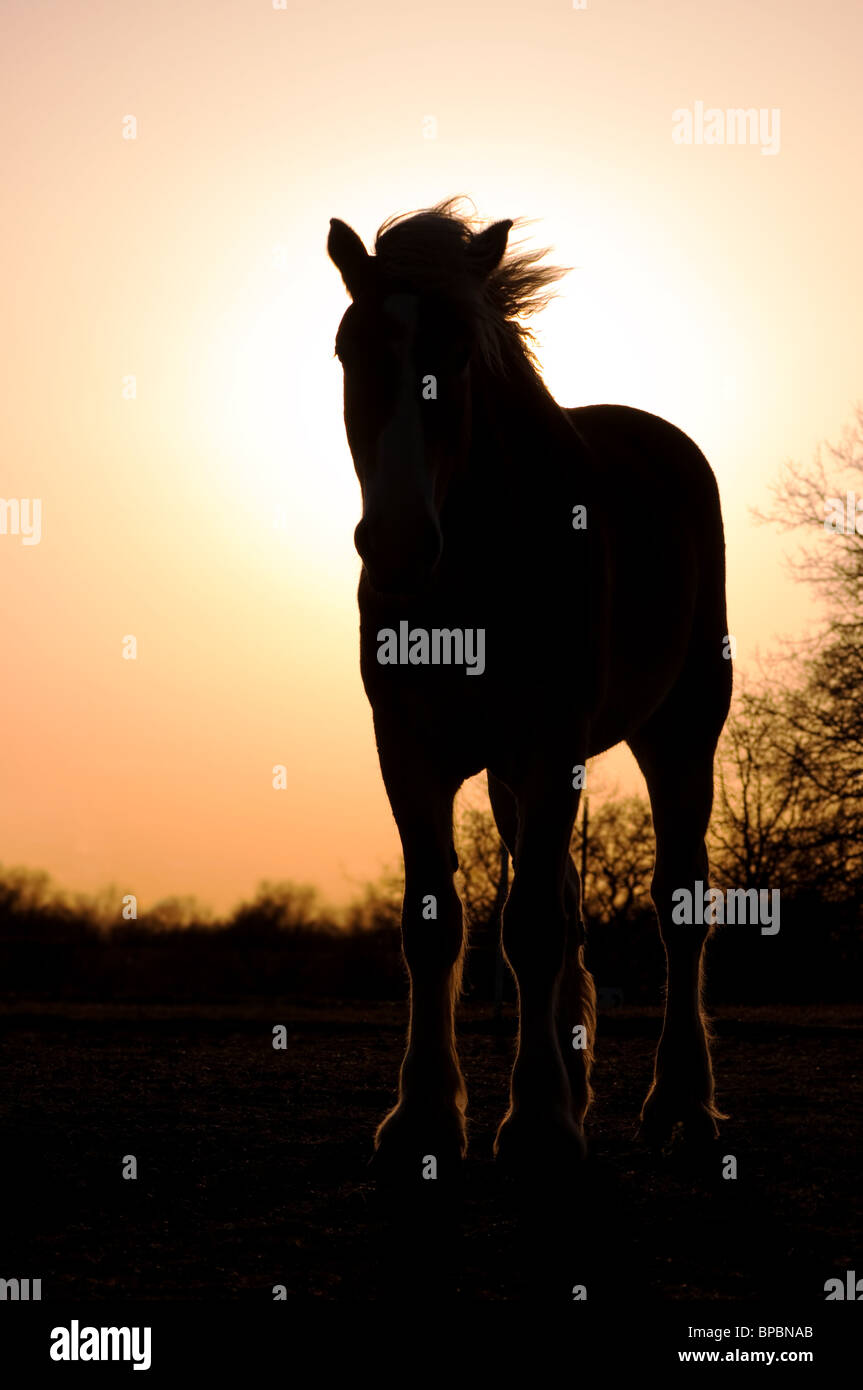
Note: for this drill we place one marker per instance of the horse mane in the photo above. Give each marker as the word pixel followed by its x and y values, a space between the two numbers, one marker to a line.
pixel 427 250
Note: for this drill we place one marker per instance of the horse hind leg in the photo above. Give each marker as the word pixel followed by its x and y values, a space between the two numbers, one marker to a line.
pixel 576 1005
pixel 576 1000
pixel 679 777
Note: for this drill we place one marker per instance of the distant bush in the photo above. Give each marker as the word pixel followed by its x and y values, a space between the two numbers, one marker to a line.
pixel 285 943
pixel 279 907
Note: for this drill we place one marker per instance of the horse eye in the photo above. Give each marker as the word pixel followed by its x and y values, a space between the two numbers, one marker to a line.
pixel 462 352
pixel 458 353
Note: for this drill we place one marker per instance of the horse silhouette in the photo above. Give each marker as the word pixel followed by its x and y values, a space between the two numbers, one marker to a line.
pixel 538 585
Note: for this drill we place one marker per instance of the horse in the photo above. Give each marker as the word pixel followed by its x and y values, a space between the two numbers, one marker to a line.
pixel 538 584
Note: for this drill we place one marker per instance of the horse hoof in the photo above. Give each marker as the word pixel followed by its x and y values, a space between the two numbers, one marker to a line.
pixel 412 1147
pixel 541 1146
pixel 664 1121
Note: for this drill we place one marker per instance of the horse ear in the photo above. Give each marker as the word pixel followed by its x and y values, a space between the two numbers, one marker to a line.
pixel 348 254
pixel 487 248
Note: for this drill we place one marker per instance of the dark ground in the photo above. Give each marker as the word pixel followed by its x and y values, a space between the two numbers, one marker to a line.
pixel 251 1162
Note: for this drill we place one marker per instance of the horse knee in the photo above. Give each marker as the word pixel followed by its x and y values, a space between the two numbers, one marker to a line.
pixel 534 936
pixel 432 929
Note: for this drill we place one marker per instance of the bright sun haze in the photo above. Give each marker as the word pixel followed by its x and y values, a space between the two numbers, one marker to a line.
pixel 211 517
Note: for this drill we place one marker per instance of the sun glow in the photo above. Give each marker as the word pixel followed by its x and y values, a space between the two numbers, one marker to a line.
pixel 270 392
pixel 213 514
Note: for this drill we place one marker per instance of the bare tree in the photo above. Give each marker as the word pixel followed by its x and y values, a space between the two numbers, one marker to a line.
pixel 619 857
pixel 809 732
pixel 478 846
pixel 771 826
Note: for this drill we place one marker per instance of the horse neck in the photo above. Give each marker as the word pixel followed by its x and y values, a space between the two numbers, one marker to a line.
pixel 521 440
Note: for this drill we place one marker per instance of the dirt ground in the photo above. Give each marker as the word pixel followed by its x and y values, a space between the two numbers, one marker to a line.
pixel 251 1162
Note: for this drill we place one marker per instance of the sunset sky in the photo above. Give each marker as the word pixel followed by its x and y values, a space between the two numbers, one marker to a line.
pixel 211 517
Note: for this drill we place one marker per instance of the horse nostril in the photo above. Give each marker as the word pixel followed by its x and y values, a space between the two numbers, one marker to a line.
pixel 402 559
pixel 433 547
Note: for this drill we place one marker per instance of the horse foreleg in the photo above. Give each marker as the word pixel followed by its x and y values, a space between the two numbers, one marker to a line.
pixel 428 1120
pixel 540 1127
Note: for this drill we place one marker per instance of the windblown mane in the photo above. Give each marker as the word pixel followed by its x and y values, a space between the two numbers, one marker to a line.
pixel 426 249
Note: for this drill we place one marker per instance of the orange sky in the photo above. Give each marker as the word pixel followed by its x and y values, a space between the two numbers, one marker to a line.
pixel 212 516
